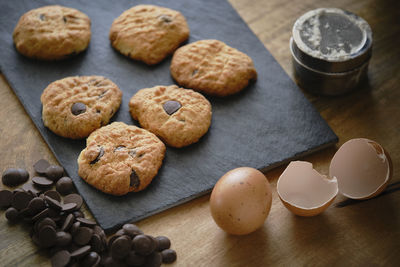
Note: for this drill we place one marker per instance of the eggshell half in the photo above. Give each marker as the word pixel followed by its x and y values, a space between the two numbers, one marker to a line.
pixel 241 200
pixel 362 167
pixel 304 191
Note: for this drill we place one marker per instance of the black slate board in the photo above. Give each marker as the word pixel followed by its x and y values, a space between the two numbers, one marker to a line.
pixel 267 124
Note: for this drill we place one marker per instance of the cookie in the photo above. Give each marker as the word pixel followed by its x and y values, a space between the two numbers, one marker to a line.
pixel 74 107
pixel 148 33
pixel 212 67
pixel 178 116
pixel 52 32
pixel 120 158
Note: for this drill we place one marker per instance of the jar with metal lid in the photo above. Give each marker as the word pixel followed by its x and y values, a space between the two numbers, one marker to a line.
pixel 331 49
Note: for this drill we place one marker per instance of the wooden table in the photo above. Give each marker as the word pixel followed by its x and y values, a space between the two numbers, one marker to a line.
pixel 364 234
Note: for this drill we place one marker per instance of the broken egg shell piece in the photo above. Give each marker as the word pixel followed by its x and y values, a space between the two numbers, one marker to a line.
pixel 362 167
pixel 304 191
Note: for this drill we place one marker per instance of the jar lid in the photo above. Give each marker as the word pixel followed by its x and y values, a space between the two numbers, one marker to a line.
pixel 332 40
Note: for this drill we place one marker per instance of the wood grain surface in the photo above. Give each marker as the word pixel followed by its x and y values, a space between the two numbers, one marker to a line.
pixel 364 234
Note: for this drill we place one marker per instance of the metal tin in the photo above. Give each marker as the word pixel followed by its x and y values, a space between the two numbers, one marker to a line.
pixel 331 49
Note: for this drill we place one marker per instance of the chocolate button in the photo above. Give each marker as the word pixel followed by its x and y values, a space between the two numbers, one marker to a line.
pixel 40 166
pixel 168 255
pixel 47 236
pixel 21 200
pixel 80 252
pixel 43 222
pixel 54 204
pixel 68 207
pixel 96 243
pixel 63 239
pixel 69 220
pixel 83 235
pixel 86 222
pixel 92 259
pixel 78 108
pixel 13 177
pixel 12 214
pixel 131 230
pixel 42 181
pixel 41 215
pixel 74 198
pixel 134 259
pixel 5 198
pixel 154 259
pixel 36 205
pixel 65 185
pixel 134 179
pixel 54 172
pixel 101 153
pixel 120 247
pixel 171 106
pixel 78 214
pixel 163 243
pixel 30 187
pixel 61 259
pixel 144 244
pixel 53 194
pixel 75 226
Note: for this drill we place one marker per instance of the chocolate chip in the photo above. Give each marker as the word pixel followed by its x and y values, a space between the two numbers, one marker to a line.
pixel 40 166
pixel 134 179
pixel 31 188
pixel 41 215
pixel 92 259
pixel 43 222
pixel 42 181
pixel 64 19
pixel 131 230
pixel 103 93
pixel 78 108
pixel 78 214
pixel 132 152
pixel 69 220
pixel 21 200
pixel 42 17
pixel 86 222
pixel 63 239
pixel 120 247
pixel 144 244
pixel 168 255
pixel 53 194
pixel 36 205
pixel 163 243
pixel 47 236
pixel 101 153
pixel 134 259
pixel 54 204
pixel 74 228
pixel 80 252
pixel 5 198
pixel 119 148
pixel 74 198
pixel 12 214
pixel 54 172
pixel 171 106
pixel 60 259
pixel 13 177
pixel 65 185
pixel 194 72
pixel 96 243
pixel 82 236
pixel 68 207
pixel 166 18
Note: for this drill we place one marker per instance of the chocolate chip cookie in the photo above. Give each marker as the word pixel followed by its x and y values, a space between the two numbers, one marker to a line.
pixel 148 33
pixel 178 116
pixel 52 32
pixel 212 67
pixel 74 107
pixel 120 158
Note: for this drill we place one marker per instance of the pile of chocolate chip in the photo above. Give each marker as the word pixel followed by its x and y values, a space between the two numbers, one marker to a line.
pixel 59 226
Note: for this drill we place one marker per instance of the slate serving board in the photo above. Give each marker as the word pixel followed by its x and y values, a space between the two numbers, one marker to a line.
pixel 267 124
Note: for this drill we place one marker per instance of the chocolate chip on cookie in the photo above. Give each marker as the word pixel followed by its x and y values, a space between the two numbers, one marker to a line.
pixel 52 32
pixel 180 117
pixel 212 67
pixel 74 107
pixel 108 163
pixel 148 33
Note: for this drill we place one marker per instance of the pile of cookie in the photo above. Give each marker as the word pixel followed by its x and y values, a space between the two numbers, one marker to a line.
pixel 122 158
pixel 58 225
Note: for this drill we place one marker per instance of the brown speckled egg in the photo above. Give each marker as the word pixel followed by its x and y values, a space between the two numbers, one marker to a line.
pixel 241 200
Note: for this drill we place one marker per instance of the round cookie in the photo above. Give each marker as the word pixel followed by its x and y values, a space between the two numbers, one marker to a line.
pixel 120 158
pixel 52 32
pixel 178 116
pixel 74 107
pixel 212 67
pixel 148 33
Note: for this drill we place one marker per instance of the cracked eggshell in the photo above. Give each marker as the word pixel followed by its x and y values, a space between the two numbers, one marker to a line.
pixel 304 191
pixel 241 200
pixel 362 167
